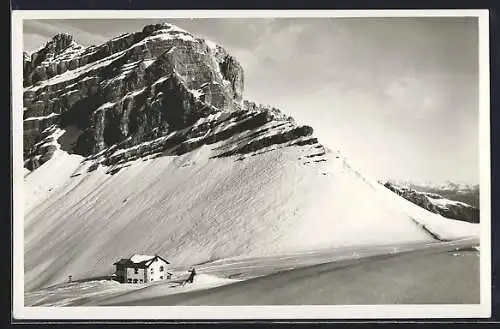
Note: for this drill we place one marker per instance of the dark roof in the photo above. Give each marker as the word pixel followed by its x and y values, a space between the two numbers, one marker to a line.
pixel 126 262
pixel 163 259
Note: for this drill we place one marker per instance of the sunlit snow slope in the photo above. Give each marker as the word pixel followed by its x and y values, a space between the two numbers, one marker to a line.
pixel 193 209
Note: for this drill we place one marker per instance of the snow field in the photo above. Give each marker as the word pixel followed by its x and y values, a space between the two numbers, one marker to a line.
pixel 191 209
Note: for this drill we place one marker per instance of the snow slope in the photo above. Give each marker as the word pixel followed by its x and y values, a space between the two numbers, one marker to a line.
pixel 39 183
pixel 191 209
pixel 66 294
pixel 92 292
pixel 281 279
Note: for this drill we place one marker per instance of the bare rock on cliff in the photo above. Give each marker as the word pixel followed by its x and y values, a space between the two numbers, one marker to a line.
pixel 160 83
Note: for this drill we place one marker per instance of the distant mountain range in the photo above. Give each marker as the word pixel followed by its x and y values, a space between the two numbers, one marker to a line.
pixel 467 193
pixel 452 200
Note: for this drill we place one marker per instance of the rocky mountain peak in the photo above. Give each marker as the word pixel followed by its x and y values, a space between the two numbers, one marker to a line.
pixel 60 42
pixel 158 91
pixel 164 28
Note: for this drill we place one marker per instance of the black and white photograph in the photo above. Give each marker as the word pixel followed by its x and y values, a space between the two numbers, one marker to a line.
pixel 325 165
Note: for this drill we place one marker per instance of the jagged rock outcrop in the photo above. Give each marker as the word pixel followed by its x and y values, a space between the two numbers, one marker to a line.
pixel 437 203
pixel 159 91
pixel 50 60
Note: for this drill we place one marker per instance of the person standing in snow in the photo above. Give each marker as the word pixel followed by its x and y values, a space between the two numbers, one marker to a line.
pixel 192 273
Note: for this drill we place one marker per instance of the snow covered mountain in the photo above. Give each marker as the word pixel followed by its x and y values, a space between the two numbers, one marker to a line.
pixel 146 145
pixel 437 203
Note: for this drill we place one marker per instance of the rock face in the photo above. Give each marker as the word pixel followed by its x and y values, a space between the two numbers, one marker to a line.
pixel 51 60
pixel 437 203
pixel 160 85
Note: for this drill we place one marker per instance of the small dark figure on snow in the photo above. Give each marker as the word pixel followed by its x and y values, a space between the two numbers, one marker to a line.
pixel 192 273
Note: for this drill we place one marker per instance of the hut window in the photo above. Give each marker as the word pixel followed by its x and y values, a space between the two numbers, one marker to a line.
pixel 135 280
pixel 161 277
pixel 136 270
pixel 129 280
pixel 161 268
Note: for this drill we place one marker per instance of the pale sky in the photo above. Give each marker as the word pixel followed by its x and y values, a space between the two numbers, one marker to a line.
pixel 397 96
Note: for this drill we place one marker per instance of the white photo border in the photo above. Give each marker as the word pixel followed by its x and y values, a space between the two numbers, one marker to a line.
pixel 21 312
